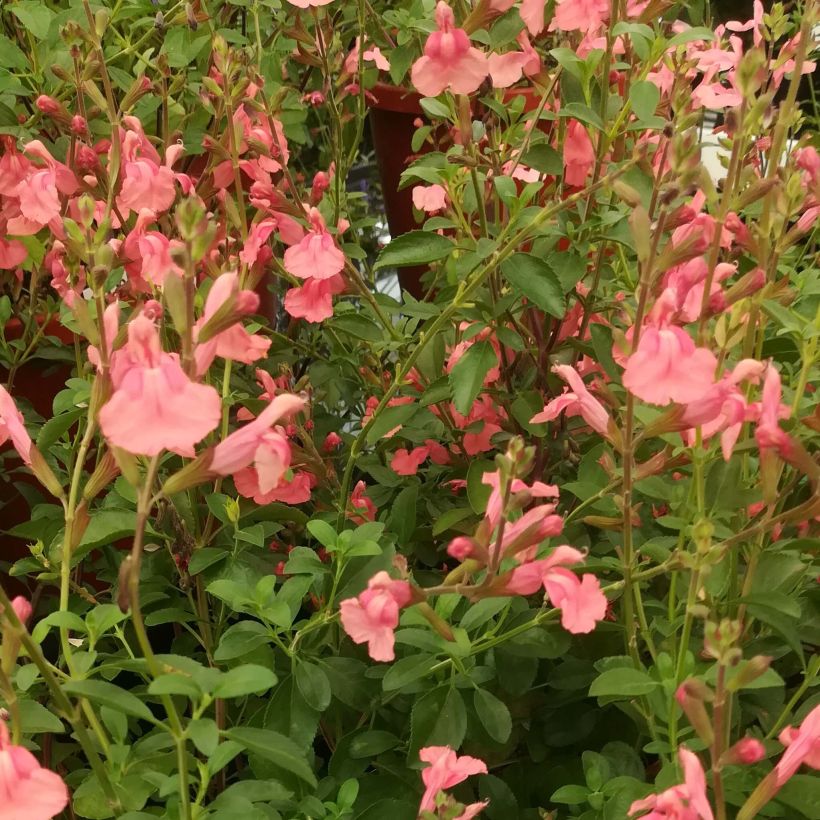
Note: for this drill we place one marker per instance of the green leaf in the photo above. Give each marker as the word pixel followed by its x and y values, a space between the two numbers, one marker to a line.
pixel 622 683
pixel 206 557
pixel 582 113
pixel 414 248
pixel 493 714
pixel 174 684
pixel 107 694
pixel 35 16
pixel 468 374
pixel 544 158
pixel 322 532
pixel 572 795
pixel 248 679
pixel 313 685
pixel 359 326
pixel 388 419
pixel 533 278
pixel 406 671
pixel 691 35
pixel 450 518
pixel 276 748
pixel 438 719
pixel 478 493
pixel 371 743
pixel 644 96
pixel 403 513
pixel 35 719
pixel 205 735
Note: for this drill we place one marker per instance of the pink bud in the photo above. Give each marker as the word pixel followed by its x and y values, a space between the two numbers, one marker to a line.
pixel 79 126
pixel 48 105
pixel 460 548
pixel 332 442
pixel 22 608
pixel 747 751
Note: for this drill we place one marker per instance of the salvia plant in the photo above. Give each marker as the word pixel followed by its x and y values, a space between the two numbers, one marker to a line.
pixel 513 513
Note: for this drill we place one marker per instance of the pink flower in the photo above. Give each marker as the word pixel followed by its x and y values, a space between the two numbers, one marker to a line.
pixel 687 801
pixel 233 343
pixel 408 463
pixel 27 791
pixel 430 198
pixel 667 367
pixel 313 301
pixel 145 182
pixel 373 616
pixel 579 154
pixel 803 747
pixel 295 491
pixel 581 601
pixel 449 61
pixel 532 13
pixel 111 326
pixel 371 55
pixel 769 435
pixel 446 770
pixel 579 15
pixel 306 4
pixel 22 609
pixel 359 501
pixel 508 68
pixel 257 443
pixel 316 255
pixel 12 253
pixel 579 400
pixel 155 406
pixel 12 427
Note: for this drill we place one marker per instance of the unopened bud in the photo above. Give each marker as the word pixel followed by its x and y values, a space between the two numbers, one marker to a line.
pixel 687 696
pixel 44 473
pixel 123 583
pixel 750 671
pixel 461 547
pixel 745 752
pixel 22 609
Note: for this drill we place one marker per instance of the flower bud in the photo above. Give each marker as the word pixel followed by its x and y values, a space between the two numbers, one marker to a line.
pixel 690 697
pixel 750 671
pixel 332 442
pixel 461 547
pixel 745 752
pixel 22 609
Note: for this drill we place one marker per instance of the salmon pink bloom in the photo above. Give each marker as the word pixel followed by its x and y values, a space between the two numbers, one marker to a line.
pixel 576 401
pixel 449 61
pixel 359 501
pixel 316 255
pixel 446 770
pixel 306 4
pixel 408 463
pixel 27 790
pixel 313 301
pixel 12 427
pixel 268 450
pixel 579 155
pixel 155 406
pixel 687 801
pixel 769 435
pixel 579 15
pixel 430 198
pixel 803 747
pixel 146 182
pixel 532 13
pixel 508 68
pixel 371 54
pixel 581 601
pixel 668 367
pixel 226 303
pixel 295 491
pixel 372 617
pixel 12 253
pixel 332 442
pixel 111 326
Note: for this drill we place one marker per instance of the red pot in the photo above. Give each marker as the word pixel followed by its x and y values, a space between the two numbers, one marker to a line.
pixel 392 118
